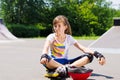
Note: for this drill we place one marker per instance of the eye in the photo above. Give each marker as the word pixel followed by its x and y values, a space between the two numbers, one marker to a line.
pixel 59 26
pixel 55 26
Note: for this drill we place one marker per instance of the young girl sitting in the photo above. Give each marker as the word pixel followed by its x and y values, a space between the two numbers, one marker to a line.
pixel 55 51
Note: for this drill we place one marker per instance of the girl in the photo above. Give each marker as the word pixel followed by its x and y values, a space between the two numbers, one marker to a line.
pixel 55 51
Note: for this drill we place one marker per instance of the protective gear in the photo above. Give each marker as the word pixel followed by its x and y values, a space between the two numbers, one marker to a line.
pixel 66 69
pixel 98 55
pixel 62 70
pixel 90 56
pixel 80 73
pixel 79 70
pixel 46 56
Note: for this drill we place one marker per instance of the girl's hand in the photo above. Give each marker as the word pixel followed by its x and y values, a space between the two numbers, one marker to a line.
pixel 100 57
pixel 43 61
pixel 45 58
pixel 102 60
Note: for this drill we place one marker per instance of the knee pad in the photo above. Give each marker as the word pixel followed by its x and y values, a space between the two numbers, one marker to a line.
pixel 46 56
pixel 90 56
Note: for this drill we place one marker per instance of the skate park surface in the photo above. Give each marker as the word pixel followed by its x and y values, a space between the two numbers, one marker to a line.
pixel 19 60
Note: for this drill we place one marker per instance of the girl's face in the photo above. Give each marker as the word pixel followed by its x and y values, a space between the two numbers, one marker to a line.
pixel 59 28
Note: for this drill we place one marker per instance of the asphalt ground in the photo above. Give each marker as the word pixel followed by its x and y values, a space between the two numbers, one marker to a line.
pixel 19 60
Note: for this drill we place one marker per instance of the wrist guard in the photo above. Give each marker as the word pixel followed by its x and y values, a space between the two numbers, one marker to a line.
pixel 46 56
pixel 98 55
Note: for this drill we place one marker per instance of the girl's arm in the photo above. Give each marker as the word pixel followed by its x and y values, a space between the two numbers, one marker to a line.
pixel 46 47
pixel 83 49
pixel 44 57
pixel 98 55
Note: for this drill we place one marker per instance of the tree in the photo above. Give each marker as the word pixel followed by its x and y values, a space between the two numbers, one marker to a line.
pixel 23 11
pixel 87 17
pixel 104 15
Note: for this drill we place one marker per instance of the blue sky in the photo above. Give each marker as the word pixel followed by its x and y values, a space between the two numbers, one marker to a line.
pixel 115 3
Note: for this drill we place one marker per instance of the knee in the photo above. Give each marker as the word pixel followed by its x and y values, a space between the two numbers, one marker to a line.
pixel 90 57
pixel 45 59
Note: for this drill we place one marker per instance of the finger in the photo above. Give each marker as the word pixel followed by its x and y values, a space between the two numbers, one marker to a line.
pixel 101 59
pixel 46 61
pixel 102 62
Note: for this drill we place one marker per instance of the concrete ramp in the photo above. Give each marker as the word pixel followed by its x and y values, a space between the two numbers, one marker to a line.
pixel 5 34
pixel 110 39
pixel 109 42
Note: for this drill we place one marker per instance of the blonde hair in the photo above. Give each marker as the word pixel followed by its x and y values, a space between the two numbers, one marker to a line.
pixel 61 18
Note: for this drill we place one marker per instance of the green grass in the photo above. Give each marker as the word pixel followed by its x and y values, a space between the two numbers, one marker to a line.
pixel 86 37
pixel 78 37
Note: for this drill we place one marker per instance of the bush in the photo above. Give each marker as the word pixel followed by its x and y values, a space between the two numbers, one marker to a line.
pixel 44 29
pixel 23 31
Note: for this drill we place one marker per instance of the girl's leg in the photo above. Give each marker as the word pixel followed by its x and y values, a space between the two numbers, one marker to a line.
pixel 77 62
pixel 82 60
pixel 52 64
pixel 55 63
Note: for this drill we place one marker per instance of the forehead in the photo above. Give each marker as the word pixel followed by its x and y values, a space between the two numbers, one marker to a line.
pixel 58 21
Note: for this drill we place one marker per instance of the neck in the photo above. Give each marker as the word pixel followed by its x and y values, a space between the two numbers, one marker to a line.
pixel 61 35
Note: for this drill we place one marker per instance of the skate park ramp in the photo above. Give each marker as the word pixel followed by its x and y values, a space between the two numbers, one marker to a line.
pixel 6 35
pixel 109 42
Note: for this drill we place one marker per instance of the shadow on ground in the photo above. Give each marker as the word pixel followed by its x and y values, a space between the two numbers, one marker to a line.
pixel 101 75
